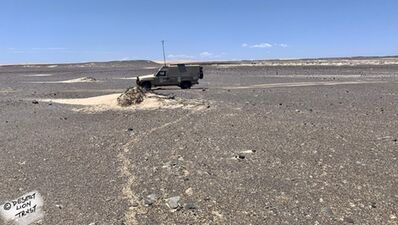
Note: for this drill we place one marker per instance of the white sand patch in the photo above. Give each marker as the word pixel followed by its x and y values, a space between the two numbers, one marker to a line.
pixel 109 102
pixel 78 80
pixel 38 75
pixel 7 90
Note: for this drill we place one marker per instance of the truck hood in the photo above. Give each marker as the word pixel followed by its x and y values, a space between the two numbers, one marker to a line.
pixel 146 77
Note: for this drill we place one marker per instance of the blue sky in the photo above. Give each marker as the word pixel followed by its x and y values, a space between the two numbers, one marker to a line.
pixel 53 31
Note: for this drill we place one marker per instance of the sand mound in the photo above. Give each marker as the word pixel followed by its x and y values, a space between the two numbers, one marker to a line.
pixel 132 96
pixel 150 101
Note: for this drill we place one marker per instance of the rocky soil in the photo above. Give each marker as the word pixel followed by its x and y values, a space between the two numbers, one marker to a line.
pixel 274 145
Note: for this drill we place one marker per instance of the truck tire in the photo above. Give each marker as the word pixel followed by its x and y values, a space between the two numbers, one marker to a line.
pixel 146 86
pixel 186 85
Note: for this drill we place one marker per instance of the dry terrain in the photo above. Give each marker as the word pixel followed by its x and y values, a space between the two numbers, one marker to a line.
pixel 255 143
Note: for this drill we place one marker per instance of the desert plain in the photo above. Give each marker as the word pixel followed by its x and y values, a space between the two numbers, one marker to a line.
pixel 256 142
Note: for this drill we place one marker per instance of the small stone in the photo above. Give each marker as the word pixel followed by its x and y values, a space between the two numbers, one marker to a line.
pixel 348 220
pixel 173 202
pixel 393 217
pixel 240 156
pixel 327 211
pixel 191 206
pixel 135 204
pixel 189 192
pixel 35 102
pixel 373 205
pixel 59 206
pixel 130 129
pixel 150 199
pixel 203 89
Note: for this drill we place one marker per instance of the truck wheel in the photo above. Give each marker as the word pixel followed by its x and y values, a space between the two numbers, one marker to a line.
pixel 186 85
pixel 146 86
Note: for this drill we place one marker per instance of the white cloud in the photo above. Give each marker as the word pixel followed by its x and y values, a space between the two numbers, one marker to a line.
pixel 50 49
pixel 261 45
pixel 206 54
pixel 264 45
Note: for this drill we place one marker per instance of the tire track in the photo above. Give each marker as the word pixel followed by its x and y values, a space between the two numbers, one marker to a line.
pixel 127 167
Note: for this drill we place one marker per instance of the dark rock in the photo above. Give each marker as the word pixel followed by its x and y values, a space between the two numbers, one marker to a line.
pixel 132 96
pixel 348 220
pixel 130 129
pixel 35 102
pixel 191 206
pixel 240 156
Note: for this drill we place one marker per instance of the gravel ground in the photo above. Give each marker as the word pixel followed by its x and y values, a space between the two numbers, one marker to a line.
pixel 277 145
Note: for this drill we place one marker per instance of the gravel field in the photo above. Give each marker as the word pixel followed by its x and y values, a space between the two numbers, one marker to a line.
pixel 271 145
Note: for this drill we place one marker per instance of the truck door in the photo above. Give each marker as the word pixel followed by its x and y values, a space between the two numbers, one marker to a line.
pixel 161 78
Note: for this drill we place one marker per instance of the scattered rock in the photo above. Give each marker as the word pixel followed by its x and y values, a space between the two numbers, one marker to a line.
pixel 173 202
pixel 327 211
pixel 191 206
pixel 373 205
pixel 348 220
pixel 59 206
pixel 189 191
pixel 240 156
pixel 150 199
pixel 35 102
pixel 132 96
pixel 130 129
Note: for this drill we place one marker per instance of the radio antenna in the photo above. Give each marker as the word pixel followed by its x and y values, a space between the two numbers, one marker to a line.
pixel 164 54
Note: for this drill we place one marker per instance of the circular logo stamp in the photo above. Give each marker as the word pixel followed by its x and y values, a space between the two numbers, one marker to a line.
pixel 7 206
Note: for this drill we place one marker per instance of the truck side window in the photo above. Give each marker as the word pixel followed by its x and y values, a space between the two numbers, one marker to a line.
pixel 182 68
pixel 162 73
